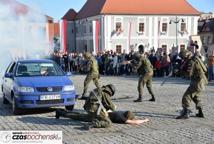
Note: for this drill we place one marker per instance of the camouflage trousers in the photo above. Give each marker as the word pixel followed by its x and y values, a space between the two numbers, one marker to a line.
pixel 99 121
pixel 145 80
pixel 190 95
pixel 88 79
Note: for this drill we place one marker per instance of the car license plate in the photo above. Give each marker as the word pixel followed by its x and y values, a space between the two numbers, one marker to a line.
pixel 49 97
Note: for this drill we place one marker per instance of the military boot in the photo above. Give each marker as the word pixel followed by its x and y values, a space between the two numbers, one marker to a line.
pixel 139 99
pixel 60 113
pixel 88 126
pixel 200 113
pixel 152 99
pixel 84 97
pixel 185 114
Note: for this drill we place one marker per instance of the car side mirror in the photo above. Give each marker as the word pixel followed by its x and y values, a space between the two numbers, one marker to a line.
pixel 68 73
pixel 8 75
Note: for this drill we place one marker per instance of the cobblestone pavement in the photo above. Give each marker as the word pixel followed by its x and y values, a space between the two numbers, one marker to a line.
pixel 163 128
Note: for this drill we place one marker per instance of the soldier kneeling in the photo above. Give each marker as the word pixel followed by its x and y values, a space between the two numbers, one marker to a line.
pixel 100 111
pixel 96 107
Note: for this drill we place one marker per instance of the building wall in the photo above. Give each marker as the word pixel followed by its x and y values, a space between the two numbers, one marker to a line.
pixel 84 34
pixel 152 37
pixel 207 38
pixel 52 30
pixel 56 29
pixel 71 36
pixel 205 16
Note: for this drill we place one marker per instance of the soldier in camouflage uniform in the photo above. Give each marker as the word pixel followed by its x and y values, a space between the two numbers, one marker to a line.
pixel 96 107
pixel 145 71
pixel 93 73
pixel 121 117
pixel 186 65
pixel 198 79
pixel 100 118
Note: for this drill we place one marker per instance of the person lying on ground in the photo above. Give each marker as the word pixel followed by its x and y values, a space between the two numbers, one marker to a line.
pixel 122 117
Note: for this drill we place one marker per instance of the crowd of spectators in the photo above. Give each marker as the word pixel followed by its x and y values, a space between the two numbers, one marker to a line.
pixel 112 63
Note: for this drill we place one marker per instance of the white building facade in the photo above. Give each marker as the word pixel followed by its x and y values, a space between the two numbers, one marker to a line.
pixel 124 30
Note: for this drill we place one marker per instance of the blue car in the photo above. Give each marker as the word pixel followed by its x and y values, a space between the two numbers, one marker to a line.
pixel 37 84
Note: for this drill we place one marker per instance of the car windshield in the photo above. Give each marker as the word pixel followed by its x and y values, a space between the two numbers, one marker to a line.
pixel 38 69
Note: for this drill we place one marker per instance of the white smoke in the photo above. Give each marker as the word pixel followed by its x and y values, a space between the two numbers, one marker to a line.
pixel 22 33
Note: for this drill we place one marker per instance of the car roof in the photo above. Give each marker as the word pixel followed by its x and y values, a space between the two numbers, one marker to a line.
pixel 35 61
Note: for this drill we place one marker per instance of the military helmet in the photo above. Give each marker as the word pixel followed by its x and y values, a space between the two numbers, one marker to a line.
pixel 185 54
pixel 110 89
pixel 87 55
pixel 136 55
pixel 141 49
pixel 182 53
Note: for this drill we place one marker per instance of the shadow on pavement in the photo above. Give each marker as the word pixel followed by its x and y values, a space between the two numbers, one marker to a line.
pixel 49 121
pixel 6 110
pixel 151 114
pixel 37 111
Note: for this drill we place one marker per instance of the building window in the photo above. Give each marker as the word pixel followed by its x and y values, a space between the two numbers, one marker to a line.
pixel 208 40
pixel 85 48
pixel 118 26
pixel 76 30
pixel 118 49
pixel 90 28
pixel 182 47
pixel 164 27
pixel 84 27
pixel 164 48
pixel 141 27
pixel 203 39
pixel 183 27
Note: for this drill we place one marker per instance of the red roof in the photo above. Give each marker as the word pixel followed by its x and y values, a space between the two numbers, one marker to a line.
pixel 70 15
pixel 144 7
pixel 91 8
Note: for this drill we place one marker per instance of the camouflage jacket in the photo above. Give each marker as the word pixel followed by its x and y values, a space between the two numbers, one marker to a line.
pixel 197 74
pixel 92 104
pixel 92 66
pixel 144 67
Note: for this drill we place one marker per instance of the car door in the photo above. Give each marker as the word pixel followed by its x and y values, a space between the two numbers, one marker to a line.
pixel 8 79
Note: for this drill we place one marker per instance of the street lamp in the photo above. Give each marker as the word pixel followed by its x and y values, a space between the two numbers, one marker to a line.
pixel 176 21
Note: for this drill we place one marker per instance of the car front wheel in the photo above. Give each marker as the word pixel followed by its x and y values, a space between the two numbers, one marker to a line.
pixel 15 110
pixel 69 108
pixel 5 101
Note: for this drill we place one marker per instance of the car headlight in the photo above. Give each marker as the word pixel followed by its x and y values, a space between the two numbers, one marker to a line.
pixel 68 88
pixel 25 89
